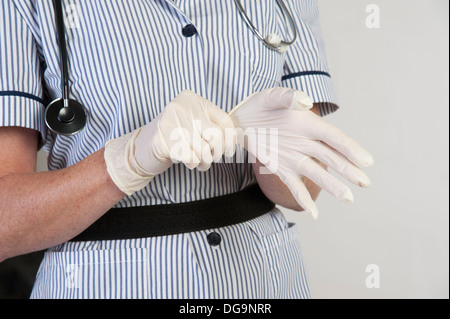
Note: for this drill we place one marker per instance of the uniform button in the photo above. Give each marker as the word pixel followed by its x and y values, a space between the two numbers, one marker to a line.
pixel 214 239
pixel 189 30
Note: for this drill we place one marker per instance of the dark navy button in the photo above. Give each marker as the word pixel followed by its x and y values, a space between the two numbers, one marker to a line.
pixel 214 239
pixel 189 30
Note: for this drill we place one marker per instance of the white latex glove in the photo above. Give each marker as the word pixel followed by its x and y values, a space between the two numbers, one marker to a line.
pixel 303 138
pixel 190 130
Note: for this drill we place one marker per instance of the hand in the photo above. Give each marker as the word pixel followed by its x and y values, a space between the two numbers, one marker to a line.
pixel 301 138
pixel 190 130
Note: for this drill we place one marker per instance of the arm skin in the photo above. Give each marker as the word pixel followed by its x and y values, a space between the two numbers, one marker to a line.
pixel 272 186
pixel 40 210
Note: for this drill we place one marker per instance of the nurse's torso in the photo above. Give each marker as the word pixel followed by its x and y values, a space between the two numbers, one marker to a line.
pixel 129 59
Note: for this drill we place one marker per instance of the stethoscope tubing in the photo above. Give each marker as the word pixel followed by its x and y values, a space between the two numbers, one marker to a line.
pixel 59 19
pixel 286 14
pixel 64 116
pixel 68 117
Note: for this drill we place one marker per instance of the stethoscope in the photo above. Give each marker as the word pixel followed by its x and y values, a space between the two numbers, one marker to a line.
pixel 272 41
pixel 64 116
pixel 68 117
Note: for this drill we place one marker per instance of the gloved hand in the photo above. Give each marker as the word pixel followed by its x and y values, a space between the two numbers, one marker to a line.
pixel 190 130
pixel 303 138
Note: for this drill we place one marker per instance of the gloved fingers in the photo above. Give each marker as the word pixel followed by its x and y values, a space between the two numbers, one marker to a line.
pixel 322 178
pixel 218 116
pixel 206 159
pixel 181 152
pixel 222 141
pixel 230 141
pixel 336 161
pixel 215 137
pixel 204 166
pixel 336 138
pixel 301 194
pixel 225 124
pixel 202 150
pixel 192 151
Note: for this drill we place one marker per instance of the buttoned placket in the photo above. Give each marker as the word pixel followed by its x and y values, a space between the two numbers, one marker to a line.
pixel 190 31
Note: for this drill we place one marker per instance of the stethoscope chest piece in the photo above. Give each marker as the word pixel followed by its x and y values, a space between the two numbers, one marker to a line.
pixel 65 117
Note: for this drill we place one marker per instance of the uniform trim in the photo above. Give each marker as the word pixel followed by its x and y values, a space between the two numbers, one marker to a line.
pixel 297 74
pixel 22 94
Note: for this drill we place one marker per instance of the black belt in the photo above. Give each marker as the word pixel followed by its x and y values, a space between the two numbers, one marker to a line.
pixel 161 220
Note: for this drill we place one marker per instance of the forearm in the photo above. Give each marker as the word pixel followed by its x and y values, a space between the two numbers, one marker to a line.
pixel 277 191
pixel 40 210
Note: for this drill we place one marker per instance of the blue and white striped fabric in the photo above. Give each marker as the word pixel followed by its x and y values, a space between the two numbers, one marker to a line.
pixel 260 258
pixel 127 60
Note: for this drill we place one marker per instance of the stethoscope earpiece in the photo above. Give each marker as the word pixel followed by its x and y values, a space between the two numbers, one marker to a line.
pixel 65 118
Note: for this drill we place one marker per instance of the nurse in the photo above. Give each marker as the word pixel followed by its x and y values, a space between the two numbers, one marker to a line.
pixel 119 215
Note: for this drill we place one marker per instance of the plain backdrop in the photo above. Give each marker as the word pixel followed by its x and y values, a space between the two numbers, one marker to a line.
pixel 392 84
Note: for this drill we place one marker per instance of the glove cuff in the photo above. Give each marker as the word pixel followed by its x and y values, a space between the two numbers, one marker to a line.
pixel 121 164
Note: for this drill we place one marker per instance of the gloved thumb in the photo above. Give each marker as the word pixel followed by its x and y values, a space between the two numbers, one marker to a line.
pixel 275 98
pixel 288 98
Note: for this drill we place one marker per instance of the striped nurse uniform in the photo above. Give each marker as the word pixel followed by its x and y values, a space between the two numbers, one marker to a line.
pixel 127 60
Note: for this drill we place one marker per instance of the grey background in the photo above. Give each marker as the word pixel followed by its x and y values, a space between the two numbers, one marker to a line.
pixel 392 83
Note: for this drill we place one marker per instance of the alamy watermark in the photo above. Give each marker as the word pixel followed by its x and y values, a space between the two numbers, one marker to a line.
pixel 373 17
pixel 262 144
pixel 72 16
pixel 373 277
pixel 72 276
